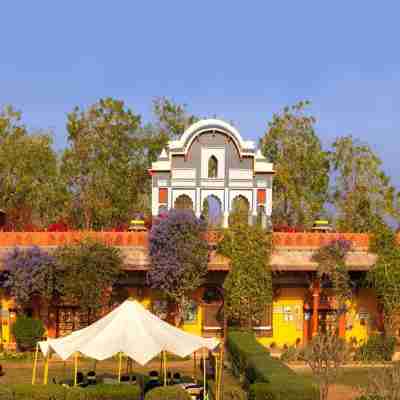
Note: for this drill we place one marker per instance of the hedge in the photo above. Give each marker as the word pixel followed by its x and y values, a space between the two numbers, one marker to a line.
pixel 58 392
pixel 268 378
pixel 168 393
pixel 229 391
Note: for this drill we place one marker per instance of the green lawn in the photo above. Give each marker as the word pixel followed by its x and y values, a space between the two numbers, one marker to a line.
pixel 351 376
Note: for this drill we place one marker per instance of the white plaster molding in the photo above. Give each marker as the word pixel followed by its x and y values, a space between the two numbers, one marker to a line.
pixel 183 173
pixel 219 154
pixel 235 173
pixel 217 183
pixel 240 184
pixel 183 183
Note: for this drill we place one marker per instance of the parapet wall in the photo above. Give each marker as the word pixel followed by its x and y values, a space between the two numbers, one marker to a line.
pixel 360 241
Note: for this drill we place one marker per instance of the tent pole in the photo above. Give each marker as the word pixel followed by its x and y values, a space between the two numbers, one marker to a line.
pixel 220 371
pixel 165 367
pixel 35 364
pixel 216 373
pixel 120 366
pixel 204 374
pixel 194 367
pixel 46 370
pixel 75 368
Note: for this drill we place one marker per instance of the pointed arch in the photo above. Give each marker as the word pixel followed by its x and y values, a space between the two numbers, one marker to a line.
pixel 183 202
pixel 240 210
pixel 213 167
pixel 212 210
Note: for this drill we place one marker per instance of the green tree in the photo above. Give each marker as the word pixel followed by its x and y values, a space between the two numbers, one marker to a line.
pixel 362 193
pixel 106 163
pixel 172 119
pixel 248 286
pixel 302 167
pixel 30 187
pixel 385 274
pixel 88 269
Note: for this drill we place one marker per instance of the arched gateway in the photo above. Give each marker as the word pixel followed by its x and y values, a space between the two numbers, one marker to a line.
pixel 212 161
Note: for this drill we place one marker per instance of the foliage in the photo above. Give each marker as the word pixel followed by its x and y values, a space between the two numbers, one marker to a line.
pixel 106 163
pixel 27 332
pixel 243 346
pixel 172 119
pixel 325 355
pixel 383 384
pixel 331 261
pixel 385 274
pixel 269 378
pixel 302 167
pixel 292 353
pixel 376 348
pixel 362 193
pixel 31 272
pixel 229 391
pixel 15 356
pixel 30 189
pixel 293 388
pixel 88 269
pixel 179 256
pixel 58 392
pixel 168 393
pixel 248 286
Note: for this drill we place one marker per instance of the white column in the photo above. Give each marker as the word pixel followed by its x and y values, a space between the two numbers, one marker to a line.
pixel 226 208
pixel 154 201
pixel 198 206
pixel 254 201
pixel 170 205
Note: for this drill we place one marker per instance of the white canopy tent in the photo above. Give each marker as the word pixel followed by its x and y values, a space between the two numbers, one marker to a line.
pixel 129 329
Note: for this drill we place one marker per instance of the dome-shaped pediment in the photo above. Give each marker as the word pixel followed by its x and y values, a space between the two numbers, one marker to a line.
pixel 181 146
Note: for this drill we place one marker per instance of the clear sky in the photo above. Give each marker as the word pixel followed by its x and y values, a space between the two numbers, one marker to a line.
pixel 238 60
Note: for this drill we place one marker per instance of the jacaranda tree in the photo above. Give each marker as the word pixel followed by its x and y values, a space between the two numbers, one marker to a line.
pixel 179 255
pixel 31 272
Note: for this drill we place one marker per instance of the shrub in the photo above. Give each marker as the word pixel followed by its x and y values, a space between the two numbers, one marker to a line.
pixel 27 332
pixel 168 393
pixel 57 392
pixel 229 391
pixel 377 348
pixel 292 354
pixel 284 389
pixel 268 377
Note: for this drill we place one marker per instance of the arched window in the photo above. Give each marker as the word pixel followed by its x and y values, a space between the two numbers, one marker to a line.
pixel 212 167
pixel 183 202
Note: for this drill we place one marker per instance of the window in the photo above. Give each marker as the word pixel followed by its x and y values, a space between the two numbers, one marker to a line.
pixel 190 312
pixel 212 167
pixel 163 195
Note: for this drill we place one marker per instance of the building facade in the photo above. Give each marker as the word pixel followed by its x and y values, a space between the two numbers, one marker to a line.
pixel 213 170
pixel 211 167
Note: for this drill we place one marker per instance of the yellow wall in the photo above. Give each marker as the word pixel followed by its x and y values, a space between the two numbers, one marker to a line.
pixel 362 317
pixel 6 304
pixel 288 318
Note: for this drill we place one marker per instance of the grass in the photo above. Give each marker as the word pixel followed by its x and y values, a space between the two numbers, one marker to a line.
pixel 20 371
pixel 351 376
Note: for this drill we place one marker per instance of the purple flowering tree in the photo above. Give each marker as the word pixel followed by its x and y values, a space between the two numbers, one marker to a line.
pixel 179 256
pixel 30 272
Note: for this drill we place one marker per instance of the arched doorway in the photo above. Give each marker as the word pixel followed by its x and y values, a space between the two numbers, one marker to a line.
pixel 212 211
pixel 183 202
pixel 240 211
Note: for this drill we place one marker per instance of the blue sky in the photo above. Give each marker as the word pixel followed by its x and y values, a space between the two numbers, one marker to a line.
pixel 238 60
